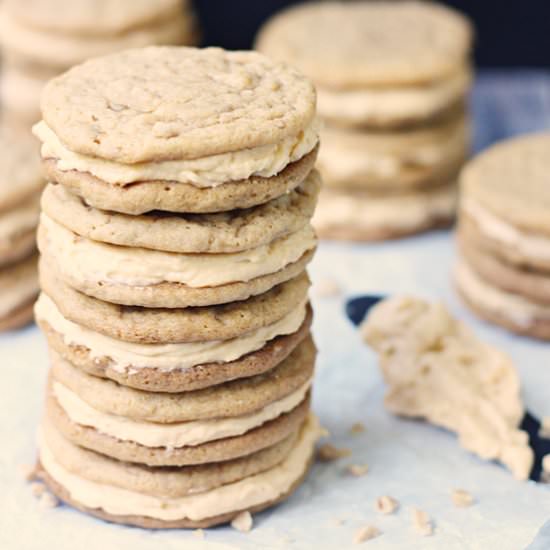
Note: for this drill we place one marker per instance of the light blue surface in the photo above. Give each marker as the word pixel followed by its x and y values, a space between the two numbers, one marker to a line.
pixel 415 463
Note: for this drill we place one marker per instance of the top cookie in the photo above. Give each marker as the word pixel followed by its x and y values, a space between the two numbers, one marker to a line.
pixel 91 16
pixel 373 43
pixel 20 170
pixel 511 180
pixel 169 103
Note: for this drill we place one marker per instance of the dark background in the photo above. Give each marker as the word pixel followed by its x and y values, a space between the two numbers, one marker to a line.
pixel 510 33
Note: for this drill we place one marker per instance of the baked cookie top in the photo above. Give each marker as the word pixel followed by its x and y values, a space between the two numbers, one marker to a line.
pixel 20 170
pixel 170 103
pixel 91 16
pixel 511 180
pixel 355 44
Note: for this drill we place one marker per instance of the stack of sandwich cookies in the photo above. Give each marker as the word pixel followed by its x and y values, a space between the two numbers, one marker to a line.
pixel 22 182
pixel 174 238
pixel 43 38
pixel 504 235
pixel 392 88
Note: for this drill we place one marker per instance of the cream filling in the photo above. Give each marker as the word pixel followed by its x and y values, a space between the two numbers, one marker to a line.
pixel 265 161
pixel 341 209
pixel 246 493
pixel 437 369
pixel 356 106
pixel 174 435
pixel 87 260
pixel 532 246
pixel 510 306
pixel 165 357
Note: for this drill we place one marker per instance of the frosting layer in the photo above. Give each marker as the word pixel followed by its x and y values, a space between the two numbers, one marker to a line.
pixel 246 493
pixel 264 161
pixel 165 357
pixel 87 260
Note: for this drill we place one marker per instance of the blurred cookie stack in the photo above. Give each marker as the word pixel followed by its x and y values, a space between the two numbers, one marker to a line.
pixel 392 80
pixel 42 38
pixel 174 241
pixel 20 186
pixel 504 235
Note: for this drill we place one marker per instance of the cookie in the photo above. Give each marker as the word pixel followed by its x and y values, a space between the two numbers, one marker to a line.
pixel 416 51
pixel 226 232
pixel 20 172
pixel 146 325
pixel 237 398
pixel 157 371
pixel 159 482
pixel 508 310
pixel 213 507
pixel 213 102
pixel 63 50
pixel 530 284
pixel 369 217
pixel 394 162
pixel 228 448
pixel 150 278
pixel 143 197
pixel 92 17
pixel 18 291
pixel 509 180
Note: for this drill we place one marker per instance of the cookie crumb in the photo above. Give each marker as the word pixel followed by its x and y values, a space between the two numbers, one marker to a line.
pixel 326 288
pixel 37 488
pixel 422 523
pixel 386 505
pixel 357 470
pixel 544 430
pixel 27 471
pixel 47 500
pixel 198 533
pixel 328 453
pixel 366 533
pixel 242 522
pixel 357 428
pixel 461 498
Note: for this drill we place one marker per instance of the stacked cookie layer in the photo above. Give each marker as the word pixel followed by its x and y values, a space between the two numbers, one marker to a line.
pixel 504 235
pixel 392 82
pixel 174 241
pixel 21 184
pixel 43 38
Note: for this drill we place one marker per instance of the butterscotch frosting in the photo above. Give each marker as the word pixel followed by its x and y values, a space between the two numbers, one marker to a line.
pixel 129 356
pixel 87 260
pixel 495 228
pixel 437 369
pixel 246 493
pixel 519 310
pixel 370 212
pixel 173 435
pixel 211 171
pixel 388 104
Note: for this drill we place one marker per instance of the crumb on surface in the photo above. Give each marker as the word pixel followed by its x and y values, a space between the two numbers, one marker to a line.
pixel 462 498
pixel 366 533
pixel 243 522
pixel 357 470
pixel 422 523
pixel 386 505
pixel 328 452
pixel 47 500
pixel 357 428
pixel 326 288
pixel 27 471
pixel 198 533
pixel 37 488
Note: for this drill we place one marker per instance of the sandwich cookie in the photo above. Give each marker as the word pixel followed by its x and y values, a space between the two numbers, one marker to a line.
pixel 504 235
